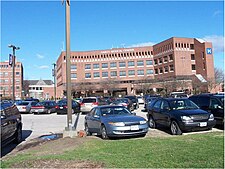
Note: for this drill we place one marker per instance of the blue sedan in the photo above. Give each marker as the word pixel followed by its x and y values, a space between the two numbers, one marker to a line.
pixel 114 121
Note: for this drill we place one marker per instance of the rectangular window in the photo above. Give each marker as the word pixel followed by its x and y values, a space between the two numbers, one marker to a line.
pixel 87 66
pixel 165 58
pixel 156 71
pixel 113 64
pixel 96 66
pixel 203 55
pixel 87 75
pixel 122 64
pixel 149 71
pixel 160 61
pixel 204 66
pixel 140 63
pixel 73 67
pixel 96 74
pixel 104 74
pixel 73 75
pixel 166 69
pixel 191 46
pixel 17 73
pixel 131 72
pixel 171 57
pixel 192 57
pixel 171 68
pixel 104 65
pixel 130 63
pixel 122 73
pixel 140 72
pixel 155 61
pixel 17 87
pixel 160 70
pixel 193 67
pixel 113 73
pixel 149 62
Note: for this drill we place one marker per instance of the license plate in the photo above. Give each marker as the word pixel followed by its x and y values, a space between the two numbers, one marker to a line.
pixel 36 110
pixel 61 107
pixel 203 124
pixel 134 128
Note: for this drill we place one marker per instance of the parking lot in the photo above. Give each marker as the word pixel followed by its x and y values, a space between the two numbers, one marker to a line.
pixel 43 124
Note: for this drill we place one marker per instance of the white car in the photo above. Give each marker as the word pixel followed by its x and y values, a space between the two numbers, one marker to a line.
pixel 140 100
pixel 25 106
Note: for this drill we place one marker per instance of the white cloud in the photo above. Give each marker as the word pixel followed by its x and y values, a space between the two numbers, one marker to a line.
pixel 43 67
pixel 217 41
pixel 142 44
pixel 40 56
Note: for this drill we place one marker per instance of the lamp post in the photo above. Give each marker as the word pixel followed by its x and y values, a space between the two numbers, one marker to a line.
pixel 54 74
pixel 69 130
pixel 13 69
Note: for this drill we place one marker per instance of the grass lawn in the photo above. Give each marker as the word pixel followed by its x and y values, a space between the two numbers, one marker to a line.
pixel 189 151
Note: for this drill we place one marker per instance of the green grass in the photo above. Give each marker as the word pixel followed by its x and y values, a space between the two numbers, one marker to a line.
pixel 190 151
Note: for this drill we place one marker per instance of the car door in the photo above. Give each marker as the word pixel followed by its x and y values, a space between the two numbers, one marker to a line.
pixel 216 109
pixel 155 111
pixel 96 120
pixel 164 115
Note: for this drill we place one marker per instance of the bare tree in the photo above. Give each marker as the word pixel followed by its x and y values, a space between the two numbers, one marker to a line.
pixel 26 87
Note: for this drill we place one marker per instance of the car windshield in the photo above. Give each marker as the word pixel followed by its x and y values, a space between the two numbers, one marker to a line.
pixel 122 101
pixel 89 100
pixel 41 104
pixel 182 104
pixel 114 111
pixel 23 103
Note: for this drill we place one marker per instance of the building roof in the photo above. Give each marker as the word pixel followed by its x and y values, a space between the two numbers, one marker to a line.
pixel 39 82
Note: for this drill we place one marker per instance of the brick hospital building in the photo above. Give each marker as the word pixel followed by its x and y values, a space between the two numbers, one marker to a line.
pixel 135 70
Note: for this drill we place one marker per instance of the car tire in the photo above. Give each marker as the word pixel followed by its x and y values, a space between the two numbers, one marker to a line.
pixel 151 122
pixel 49 111
pixel 175 129
pixel 88 133
pixel 104 133
pixel 18 135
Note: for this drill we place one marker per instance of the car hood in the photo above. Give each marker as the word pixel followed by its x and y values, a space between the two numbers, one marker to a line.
pixel 189 112
pixel 123 118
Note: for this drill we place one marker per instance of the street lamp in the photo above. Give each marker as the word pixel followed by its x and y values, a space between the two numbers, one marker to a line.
pixel 13 68
pixel 54 74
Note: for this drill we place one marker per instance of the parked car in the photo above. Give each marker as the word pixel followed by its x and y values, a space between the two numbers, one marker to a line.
pixel 134 100
pixel 114 121
pixel 32 99
pixel 44 107
pixel 79 100
pixel 211 103
pixel 178 94
pixel 127 103
pixel 11 125
pixel 89 102
pixel 25 106
pixel 179 114
pixel 140 100
pixel 61 107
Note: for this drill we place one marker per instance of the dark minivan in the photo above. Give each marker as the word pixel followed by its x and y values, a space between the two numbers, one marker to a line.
pixel 211 103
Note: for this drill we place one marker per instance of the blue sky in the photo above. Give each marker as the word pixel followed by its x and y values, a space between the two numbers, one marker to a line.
pixel 38 28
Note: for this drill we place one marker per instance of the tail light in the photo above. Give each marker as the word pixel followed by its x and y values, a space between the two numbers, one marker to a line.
pixel 95 103
pixel 65 107
pixel 81 104
pixel 124 104
pixel 23 107
pixel 56 107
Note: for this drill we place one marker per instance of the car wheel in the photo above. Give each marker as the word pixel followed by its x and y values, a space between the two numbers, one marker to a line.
pixel 104 132
pixel 175 129
pixel 18 135
pixel 88 133
pixel 49 111
pixel 72 111
pixel 151 122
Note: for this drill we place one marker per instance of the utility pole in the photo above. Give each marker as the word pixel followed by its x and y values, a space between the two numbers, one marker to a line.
pixel 13 69
pixel 69 130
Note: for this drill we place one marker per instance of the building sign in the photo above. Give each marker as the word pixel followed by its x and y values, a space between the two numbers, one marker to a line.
pixel 118 51
pixel 10 59
pixel 209 51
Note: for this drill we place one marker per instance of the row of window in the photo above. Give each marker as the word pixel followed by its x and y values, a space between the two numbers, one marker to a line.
pixel 164 59
pixel 35 88
pixel 114 64
pixel 6 80
pixel 8 66
pixel 7 73
pixel 114 74
pixel 143 53
pixel 164 69
pixel 184 45
pixel 6 88
pixel 163 48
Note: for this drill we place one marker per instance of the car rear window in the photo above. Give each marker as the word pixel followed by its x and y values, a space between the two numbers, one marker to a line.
pixel 89 100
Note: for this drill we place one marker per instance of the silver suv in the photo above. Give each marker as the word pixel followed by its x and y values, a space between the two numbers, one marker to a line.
pixel 89 102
